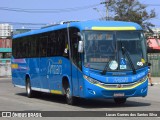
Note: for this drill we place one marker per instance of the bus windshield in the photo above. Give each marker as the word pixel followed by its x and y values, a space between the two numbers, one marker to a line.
pixel 126 48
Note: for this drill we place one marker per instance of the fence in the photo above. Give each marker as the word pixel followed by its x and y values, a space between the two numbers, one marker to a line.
pixel 154 59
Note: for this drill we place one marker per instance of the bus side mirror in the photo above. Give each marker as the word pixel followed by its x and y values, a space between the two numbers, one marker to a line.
pixel 80 35
pixel 80 47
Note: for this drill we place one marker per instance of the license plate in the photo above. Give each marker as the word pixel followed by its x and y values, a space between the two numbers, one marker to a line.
pixel 118 95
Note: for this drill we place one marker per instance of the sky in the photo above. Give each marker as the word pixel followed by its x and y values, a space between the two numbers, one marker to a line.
pixel 62 10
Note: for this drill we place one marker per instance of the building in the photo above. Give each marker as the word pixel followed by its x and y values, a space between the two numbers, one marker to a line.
pixel 5 30
pixel 5 49
pixel 156 32
pixel 153 42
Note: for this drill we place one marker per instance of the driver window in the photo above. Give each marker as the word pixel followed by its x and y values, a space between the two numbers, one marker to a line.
pixel 74 47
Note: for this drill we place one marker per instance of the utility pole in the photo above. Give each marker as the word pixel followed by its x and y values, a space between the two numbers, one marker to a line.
pixel 107 9
pixel 107 12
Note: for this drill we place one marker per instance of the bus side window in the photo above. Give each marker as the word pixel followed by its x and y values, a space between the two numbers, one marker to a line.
pixel 65 45
pixel 52 47
pixel 74 48
pixel 60 42
pixel 43 46
pixel 33 47
pixel 66 50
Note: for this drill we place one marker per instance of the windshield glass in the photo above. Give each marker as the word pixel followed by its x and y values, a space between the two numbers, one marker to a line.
pixel 134 44
pixel 104 47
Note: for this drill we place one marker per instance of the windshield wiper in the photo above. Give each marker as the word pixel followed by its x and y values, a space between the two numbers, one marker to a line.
pixel 125 52
pixel 105 69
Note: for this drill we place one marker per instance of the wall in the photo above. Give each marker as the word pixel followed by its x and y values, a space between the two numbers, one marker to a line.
pixel 5 67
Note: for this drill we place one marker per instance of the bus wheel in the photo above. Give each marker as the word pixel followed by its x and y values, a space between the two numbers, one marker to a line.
pixel 29 91
pixel 69 98
pixel 120 100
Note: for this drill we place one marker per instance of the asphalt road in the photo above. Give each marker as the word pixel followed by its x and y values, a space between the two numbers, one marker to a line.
pixel 15 99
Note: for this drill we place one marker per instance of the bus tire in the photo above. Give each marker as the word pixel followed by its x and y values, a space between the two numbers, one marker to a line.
pixel 69 98
pixel 29 91
pixel 120 100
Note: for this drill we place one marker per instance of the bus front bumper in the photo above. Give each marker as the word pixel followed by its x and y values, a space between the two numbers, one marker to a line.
pixel 103 91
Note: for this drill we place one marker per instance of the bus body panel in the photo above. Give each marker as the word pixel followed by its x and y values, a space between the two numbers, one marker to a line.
pixel 46 73
pixel 93 91
pixel 43 77
pixel 139 91
pixel 33 67
pixel 109 78
pixel 77 82
pixel 46 77
pixel 129 85
pixel 19 70
pixel 57 68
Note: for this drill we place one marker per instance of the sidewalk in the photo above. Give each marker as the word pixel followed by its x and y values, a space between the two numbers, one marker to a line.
pixel 156 80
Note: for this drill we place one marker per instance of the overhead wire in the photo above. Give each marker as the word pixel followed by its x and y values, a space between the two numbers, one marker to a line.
pixel 19 23
pixel 19 29
pixel 48 10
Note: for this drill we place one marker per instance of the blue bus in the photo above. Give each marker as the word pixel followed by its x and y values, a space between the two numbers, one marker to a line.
pixel 87 59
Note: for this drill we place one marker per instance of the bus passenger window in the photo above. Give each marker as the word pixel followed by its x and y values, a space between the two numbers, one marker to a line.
pixel 43 46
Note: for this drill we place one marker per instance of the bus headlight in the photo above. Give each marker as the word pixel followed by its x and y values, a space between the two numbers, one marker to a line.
pixel 91 80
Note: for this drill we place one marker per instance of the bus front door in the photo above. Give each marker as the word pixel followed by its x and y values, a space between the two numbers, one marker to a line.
pixel 76 69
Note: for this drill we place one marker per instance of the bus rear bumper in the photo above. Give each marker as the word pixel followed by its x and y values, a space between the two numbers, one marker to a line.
pixel 96 91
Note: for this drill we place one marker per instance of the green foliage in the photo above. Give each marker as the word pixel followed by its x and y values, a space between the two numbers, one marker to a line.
pixel 131 10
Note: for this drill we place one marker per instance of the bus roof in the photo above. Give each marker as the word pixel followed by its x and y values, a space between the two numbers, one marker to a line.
pixel 87 25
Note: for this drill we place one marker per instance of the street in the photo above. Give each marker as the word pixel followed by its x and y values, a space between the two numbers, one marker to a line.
pixel 15 99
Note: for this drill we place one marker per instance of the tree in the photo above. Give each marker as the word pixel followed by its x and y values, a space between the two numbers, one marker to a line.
pixel 131 10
